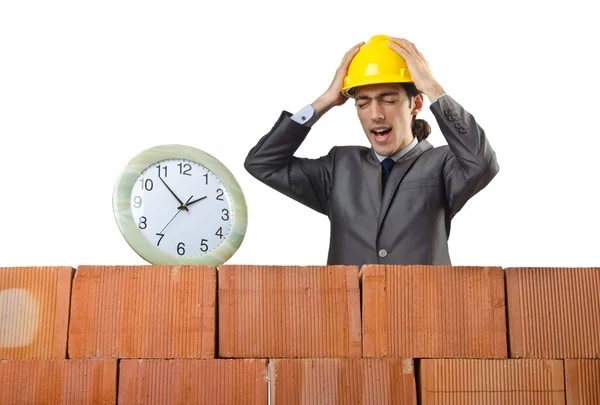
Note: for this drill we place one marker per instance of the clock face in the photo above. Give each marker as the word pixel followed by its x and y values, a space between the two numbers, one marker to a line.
pixel 181 207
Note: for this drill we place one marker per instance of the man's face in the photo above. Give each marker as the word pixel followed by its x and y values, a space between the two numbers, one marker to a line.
pixel 385 113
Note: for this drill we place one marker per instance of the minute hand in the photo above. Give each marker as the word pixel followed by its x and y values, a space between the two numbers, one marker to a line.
pixel 182 206
pixel 192 202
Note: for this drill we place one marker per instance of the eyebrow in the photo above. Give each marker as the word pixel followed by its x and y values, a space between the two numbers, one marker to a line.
pixel 387 93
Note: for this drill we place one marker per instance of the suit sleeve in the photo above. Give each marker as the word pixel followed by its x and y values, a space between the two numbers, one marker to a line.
pixel 273 163
pixel 471 164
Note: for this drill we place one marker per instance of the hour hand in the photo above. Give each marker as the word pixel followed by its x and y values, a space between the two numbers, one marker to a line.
pixel 191 202
pixel 181 204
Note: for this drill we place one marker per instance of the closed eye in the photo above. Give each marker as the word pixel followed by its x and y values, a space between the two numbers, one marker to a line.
pixel 389 98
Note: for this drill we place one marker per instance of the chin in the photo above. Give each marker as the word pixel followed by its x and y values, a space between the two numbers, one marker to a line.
pixel 386 149
pixel 383 151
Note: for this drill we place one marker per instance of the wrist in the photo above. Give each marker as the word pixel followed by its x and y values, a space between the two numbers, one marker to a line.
pixel 323 104
pixel 434 91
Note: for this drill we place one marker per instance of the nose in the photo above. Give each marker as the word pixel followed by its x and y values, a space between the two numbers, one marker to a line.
pixel 376 111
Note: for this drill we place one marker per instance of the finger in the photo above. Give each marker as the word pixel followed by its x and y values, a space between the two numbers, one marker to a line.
pixel 417 51
pixel 352 51
pixel 400 50
pixel 356 46
pixel 349 55
pixel 405 44
pixel 411 46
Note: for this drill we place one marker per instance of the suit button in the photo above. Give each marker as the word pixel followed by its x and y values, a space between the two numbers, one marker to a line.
pixel 448 112
pixel 450 118
pixel 382 253
pixel 462 130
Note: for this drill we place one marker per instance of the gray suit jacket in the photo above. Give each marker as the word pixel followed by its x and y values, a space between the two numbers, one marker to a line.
pixel 409 223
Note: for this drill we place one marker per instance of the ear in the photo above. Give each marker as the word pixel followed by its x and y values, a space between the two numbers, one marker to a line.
pixel 418 104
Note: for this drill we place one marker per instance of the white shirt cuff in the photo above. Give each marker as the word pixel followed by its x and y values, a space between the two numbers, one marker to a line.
pixel 306 116
pixel 438 98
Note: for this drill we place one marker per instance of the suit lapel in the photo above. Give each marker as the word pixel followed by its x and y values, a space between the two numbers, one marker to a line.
pixel 372 171
pixel 398 172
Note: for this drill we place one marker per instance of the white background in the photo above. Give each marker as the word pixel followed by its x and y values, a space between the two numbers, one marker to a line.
pixel 85 86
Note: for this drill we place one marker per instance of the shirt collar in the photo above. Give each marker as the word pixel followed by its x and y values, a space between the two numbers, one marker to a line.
pixel 401 153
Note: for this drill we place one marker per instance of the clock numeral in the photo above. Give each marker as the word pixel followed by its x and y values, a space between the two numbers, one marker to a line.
pixel 225 214
pixel 219 233
pixel 206 176
pixel 187 167
pixel 147 184
pixel 161 236
pixel 180 248
pixel 219 196
pixel 203 245
pixel 163 167
pixel 137 201
pixel 142 223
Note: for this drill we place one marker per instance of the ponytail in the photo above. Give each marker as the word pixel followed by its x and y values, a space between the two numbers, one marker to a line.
pixel 420 128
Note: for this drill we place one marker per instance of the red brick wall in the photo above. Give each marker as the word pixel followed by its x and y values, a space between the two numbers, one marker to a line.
pixel 242 334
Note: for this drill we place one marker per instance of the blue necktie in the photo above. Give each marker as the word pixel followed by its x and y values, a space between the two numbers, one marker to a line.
pixel 386 168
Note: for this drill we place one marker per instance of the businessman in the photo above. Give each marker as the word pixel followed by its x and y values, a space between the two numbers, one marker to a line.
pixel 392 203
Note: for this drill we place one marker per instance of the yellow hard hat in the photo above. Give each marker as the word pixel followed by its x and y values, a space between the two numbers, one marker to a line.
pixel 375 63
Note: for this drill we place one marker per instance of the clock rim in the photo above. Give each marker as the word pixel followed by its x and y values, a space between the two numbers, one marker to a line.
pixel 140 244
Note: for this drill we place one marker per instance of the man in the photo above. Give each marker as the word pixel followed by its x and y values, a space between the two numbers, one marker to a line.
pixel 392 203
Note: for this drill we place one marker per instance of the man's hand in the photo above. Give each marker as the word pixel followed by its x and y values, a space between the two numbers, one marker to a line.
pixel 418 68
pixel 333 96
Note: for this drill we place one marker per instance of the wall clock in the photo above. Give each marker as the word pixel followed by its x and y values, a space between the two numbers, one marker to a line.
pixel 175 204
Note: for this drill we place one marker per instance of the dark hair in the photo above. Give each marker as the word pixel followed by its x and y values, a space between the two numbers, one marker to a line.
pixel 420 128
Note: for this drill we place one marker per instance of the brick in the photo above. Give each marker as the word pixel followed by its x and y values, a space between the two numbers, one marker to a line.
pixel 433 312
pixel 342 381
pixel 491 382
pixel 288 311
pixel 143 312
pixel 188 381
pixel 50 382
pixel 34 312
pixel 553 312
pixel 582 380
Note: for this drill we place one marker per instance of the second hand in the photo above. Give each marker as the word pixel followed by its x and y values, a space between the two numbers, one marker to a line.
pixel 178 211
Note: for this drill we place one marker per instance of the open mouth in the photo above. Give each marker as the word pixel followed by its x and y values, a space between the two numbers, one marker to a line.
pixel 381 134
